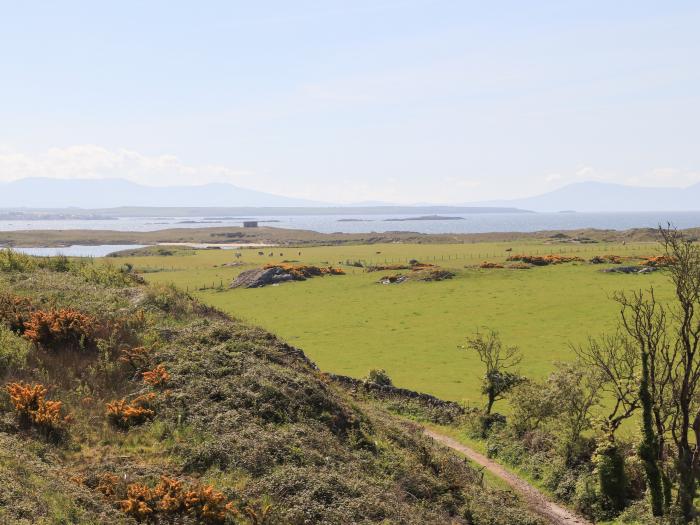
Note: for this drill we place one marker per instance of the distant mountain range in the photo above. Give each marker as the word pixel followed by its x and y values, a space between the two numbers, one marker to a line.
pixel 100 194
pixel 602 196
pixel 111 193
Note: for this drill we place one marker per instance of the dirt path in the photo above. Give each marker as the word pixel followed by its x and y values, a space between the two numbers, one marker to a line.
pixel 534 499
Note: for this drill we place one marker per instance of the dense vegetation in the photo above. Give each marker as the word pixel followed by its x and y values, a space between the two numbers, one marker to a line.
pixel 125 402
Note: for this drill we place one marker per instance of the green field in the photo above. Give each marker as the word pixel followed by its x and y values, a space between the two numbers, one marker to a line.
pixel 349 324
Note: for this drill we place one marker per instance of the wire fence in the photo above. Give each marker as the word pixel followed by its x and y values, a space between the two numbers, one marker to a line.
pixel 359 265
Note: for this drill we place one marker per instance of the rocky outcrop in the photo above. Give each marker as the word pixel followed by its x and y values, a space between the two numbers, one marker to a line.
pixel 261 277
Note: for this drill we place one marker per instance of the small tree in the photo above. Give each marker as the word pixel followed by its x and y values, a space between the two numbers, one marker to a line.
pixel 577 389
pixel 618 361
pixel 498 361
pixel 667 339
pixel 534 404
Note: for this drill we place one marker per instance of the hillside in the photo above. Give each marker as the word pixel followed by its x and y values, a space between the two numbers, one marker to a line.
pixel 606 197
pixel 158 409
pixel 107 193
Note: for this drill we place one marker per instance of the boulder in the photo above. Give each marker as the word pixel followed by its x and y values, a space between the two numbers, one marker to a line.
pixel 261 277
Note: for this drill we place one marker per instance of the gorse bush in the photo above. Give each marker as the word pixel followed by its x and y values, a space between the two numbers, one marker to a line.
pixel 156 377
pixel 137 357
pixel 544 260
pixel 15 311
pixel 171 500
pixel 33 409
pixel 59 329
pixel 124 415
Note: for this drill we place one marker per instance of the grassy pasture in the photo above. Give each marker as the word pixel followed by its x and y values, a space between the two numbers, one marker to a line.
pixel 349 324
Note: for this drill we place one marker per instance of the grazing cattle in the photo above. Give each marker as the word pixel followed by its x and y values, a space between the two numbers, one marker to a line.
pixel 261 253
pixel 270 254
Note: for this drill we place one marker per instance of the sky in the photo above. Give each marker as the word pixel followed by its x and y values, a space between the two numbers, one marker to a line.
pixel 404 101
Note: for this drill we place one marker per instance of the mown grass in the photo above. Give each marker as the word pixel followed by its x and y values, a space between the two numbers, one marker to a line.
pixel 350 324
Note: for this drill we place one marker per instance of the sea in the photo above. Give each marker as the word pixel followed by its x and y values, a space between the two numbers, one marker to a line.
pixel 352 223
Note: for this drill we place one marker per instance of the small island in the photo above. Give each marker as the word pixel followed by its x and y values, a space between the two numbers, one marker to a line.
pixel 427 218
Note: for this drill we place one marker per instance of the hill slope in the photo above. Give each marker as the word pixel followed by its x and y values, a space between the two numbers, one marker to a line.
pixel 109 193
pixel 178 413
pixel 600 196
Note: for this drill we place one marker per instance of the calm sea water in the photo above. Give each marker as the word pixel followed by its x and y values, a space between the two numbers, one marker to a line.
pixel 79 251
pixel 471 223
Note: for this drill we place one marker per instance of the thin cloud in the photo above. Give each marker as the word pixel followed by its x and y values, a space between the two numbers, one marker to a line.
pixel 89 161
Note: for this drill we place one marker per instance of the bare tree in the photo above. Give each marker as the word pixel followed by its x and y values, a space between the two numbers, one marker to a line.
pixel 498 361
pixel 618 362
pixel 684 269
pixel 645 320
pixel 667 337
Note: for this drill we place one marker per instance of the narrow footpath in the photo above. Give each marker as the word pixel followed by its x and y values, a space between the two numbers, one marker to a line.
pixel 534 499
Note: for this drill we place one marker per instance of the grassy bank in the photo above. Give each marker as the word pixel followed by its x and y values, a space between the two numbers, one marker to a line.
pixel 124 402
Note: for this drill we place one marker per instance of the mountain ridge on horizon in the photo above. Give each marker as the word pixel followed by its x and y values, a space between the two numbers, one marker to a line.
pixel 111 193
pixel 597 196
pixel 45 192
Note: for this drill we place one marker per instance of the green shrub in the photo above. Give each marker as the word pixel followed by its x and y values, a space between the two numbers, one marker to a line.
pixel 379 376
pixel 560 480
pixel 587 499
pixel 610 464
pixel 13 350
pixel 59 263
pixel 105 274
pixel 12 261
pixel 167 299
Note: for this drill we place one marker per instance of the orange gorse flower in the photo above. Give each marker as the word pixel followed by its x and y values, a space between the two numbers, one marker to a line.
pixel 108 484
pixel 544 260
pixel 659 261
pixel 32 407
pixel 171 498
pixel 137 504
pixel 15 311
pixel 156 377
pixel 66 327
pixel 125 414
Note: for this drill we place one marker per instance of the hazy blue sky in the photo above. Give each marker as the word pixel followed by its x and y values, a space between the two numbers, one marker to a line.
pixel 405 101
